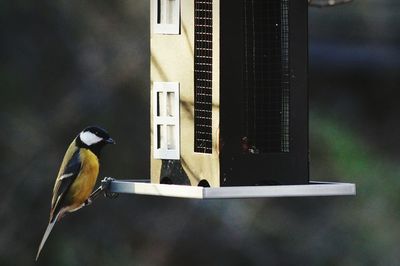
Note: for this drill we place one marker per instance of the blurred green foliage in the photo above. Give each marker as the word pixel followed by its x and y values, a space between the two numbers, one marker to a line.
pixel 67 64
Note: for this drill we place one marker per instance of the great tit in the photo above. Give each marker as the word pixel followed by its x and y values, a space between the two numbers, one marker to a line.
pixel 77 175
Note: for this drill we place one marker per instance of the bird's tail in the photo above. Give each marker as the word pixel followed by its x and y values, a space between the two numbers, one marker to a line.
pixel 46 235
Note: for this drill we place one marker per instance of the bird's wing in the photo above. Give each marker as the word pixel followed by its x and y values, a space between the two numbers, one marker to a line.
pixel 66 177
pixel 69 170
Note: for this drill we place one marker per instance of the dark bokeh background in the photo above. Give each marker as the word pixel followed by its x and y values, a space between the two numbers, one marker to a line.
pixel 68 64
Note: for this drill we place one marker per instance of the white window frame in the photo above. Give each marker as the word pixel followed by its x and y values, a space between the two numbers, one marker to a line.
pixel 164 28
pixel 163 120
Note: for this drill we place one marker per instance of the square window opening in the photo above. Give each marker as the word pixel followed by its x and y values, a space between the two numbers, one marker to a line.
pixel 170 104
pixel 167 16
pixel 171 137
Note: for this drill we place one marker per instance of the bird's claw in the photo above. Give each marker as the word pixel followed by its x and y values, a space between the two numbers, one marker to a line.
pixel 105 186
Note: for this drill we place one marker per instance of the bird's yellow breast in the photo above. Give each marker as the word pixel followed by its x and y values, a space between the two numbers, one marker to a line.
pixel 83 186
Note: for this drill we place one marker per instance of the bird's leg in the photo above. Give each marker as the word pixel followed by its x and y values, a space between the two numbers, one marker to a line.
pixel 105 184
pixel 93 196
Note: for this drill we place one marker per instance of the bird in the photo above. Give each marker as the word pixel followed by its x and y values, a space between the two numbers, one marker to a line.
pixel 77 175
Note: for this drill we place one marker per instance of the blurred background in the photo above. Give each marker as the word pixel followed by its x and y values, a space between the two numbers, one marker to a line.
pixel 68 64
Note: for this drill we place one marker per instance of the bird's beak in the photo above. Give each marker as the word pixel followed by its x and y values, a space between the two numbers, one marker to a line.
pixel 110 141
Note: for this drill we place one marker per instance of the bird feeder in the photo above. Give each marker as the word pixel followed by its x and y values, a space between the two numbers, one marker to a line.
pixel 229 101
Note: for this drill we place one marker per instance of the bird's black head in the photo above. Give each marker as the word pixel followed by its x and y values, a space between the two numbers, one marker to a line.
pixel 93 138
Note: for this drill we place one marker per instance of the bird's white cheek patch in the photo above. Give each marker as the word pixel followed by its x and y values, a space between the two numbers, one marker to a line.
pixel 89 138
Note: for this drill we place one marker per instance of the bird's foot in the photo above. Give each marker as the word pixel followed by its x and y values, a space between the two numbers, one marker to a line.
pixel 105 185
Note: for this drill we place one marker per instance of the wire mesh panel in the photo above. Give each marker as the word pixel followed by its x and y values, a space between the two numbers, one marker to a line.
pixel 203 76
pixel 266 75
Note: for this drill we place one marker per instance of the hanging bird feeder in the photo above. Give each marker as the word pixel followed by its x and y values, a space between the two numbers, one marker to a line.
pixel 229 101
